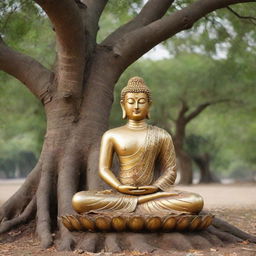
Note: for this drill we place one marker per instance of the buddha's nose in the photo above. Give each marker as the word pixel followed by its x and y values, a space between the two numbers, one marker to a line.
pixel 136 105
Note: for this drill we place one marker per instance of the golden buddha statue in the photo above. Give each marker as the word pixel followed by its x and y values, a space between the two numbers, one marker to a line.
pixel 140 149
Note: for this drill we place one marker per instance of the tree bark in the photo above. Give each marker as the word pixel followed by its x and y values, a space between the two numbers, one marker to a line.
pixel 37 78
pixel 203 162
pixel 184 161
pixel 184 164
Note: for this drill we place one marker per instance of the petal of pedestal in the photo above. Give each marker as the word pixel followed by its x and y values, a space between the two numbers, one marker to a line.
pixel 118 224
pixel 153 223
pixel 87 223
pixel 136 223
pixel 169 224
pixel 103 223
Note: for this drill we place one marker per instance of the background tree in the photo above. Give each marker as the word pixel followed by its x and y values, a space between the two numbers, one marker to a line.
pixel 202 150
pixel 232 131
pixel 77 94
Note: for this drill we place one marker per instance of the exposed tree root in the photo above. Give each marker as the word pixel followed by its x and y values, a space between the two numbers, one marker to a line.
pixel 17 203
pixel 153 242
pixel 213 239
pixel 198 241
pixel 224 236
pixel 44 193
pixel 67 186
pixel 138 242
pixel 226 227
pixel 176 240
pixel 88 242
pixel 38 196
pixel 67 242
pixel 112 243
pixel 27 214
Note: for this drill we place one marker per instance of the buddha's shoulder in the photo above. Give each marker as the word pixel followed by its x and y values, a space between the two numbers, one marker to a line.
pixel 113 132
pixel 161 132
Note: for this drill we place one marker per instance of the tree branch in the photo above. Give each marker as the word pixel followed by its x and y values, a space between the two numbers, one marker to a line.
pixel 67 22
pixel 36 77
pixel 133 45
pixel 69 27
pixel 250 18
pixel 93 11
pixel 183 110
pixel 201 108
pixel 153 10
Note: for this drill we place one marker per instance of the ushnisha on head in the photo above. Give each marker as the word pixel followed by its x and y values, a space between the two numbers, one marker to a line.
pixel 135 99
pixel 136 84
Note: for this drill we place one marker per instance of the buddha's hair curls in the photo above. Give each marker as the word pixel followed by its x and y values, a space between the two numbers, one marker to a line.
pixel 136 84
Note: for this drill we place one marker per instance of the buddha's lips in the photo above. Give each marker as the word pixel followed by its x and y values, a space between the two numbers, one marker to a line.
pixel 136 111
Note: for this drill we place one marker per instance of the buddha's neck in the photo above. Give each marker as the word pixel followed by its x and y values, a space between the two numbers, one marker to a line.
pixel 137 125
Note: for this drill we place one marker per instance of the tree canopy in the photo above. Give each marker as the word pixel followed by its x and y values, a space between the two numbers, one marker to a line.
pixel 220 42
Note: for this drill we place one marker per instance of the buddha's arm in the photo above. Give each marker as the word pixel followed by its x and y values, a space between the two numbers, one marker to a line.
pixel 168 164
pixel 106 158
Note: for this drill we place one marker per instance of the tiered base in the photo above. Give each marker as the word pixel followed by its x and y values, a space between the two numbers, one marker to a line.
pixel 106 222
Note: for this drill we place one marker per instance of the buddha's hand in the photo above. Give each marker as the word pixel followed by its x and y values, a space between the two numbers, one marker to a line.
pixel 126 189
pixel 148 189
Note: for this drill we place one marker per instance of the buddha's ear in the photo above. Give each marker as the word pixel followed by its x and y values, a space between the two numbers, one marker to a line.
pixel 123 109
pixel 148 114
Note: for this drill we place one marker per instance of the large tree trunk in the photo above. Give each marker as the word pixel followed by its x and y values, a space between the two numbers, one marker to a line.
pixel 183 158
pixel 184 164
pixel 69 158
pixel 77 97
pixel 203 162
pixel 184 161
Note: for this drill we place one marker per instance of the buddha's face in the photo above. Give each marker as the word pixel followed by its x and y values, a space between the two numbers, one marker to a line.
pixel 136 106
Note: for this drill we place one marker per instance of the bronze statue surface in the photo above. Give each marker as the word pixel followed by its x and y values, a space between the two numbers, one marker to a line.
pixel 140 148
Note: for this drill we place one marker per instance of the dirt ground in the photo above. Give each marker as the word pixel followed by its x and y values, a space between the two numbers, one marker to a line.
pixel 235 203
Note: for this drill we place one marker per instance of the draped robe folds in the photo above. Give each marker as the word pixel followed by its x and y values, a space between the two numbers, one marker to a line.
pixel 138 169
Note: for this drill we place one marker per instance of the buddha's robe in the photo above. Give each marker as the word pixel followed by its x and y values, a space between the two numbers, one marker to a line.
pixel 139 169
